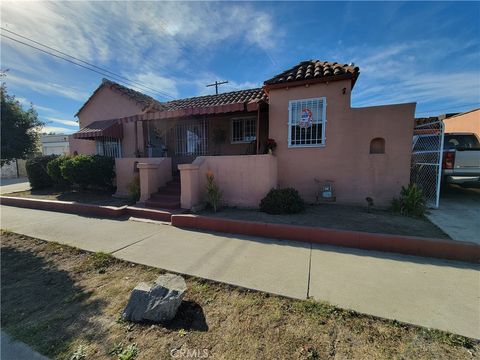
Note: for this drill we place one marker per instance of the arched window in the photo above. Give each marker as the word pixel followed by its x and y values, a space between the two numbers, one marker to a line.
pixel 377 146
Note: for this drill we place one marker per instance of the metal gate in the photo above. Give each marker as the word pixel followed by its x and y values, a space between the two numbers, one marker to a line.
pixel 427 154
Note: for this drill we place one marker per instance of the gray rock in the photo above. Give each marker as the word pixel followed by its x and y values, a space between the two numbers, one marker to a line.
pixel 158 302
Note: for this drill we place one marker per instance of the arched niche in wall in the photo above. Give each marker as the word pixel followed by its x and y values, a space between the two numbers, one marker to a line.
pixel 377 146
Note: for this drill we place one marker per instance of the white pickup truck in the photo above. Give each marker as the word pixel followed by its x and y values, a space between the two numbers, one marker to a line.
pixel 461 155
pixel 461 158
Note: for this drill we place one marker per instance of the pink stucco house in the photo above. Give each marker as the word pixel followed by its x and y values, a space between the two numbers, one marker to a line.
pixel 321 139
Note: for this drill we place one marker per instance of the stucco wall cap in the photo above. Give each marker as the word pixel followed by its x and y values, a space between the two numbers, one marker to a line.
pixel 147 166
pixel 188 167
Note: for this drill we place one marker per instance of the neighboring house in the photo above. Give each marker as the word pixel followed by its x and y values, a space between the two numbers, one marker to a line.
pixel 467 122
pixel 56 144
pixel 321 139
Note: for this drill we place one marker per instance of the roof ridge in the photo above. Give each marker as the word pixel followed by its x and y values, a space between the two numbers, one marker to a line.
pixel 204 96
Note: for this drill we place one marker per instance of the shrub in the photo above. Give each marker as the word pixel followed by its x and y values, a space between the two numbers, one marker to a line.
pixel 214 195
pixel 282 201
pixel 134 189
pixel 411 201
pixel 89 170
pixel 37 171
pixel 55 172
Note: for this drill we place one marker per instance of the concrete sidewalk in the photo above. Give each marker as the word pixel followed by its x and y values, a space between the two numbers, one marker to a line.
pixel 13 185
pixel 427 292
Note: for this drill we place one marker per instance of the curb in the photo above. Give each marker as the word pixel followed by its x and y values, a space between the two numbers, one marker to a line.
pixel 65 206
pixel 408 245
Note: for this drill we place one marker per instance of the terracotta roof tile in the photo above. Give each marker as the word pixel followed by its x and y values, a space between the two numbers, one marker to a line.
pixel 234 97
pixel 316 70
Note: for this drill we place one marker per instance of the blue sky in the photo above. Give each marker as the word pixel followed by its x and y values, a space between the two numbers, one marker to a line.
pixel 427 53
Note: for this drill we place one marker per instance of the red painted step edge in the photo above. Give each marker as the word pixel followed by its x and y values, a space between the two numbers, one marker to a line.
pixel 409 245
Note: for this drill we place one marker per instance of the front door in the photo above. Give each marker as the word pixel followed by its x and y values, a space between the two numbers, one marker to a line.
pixel 191 140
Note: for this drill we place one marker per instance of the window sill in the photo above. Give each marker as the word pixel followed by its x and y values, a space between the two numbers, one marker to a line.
pixel 306 146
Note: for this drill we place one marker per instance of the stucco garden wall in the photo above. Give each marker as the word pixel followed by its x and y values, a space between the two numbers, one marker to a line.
pixel 243 179
pixel 125 171
pixel 345 159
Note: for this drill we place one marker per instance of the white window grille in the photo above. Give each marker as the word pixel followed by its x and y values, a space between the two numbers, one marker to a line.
pixel 244 130
pixel 109 147
pixel 306 122
pixel 191 138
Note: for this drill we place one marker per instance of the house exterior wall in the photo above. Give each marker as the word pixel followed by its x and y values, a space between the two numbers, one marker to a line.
pixel 106 105
pixel 345 159
pixel 468 122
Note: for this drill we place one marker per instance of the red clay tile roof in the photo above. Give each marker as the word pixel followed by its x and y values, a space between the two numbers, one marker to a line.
pixel 316 70
pixel 233 97
pixel 146 102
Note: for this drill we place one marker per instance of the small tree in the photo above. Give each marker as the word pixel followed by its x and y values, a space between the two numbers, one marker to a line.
pixel 18 128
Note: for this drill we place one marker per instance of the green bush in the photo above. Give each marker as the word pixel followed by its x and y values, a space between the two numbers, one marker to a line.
pixel 214 195
pixel 134 189
pixel 282 201
pixel 55 172
pixel 37 171
pixel 89 171
pixel 411 201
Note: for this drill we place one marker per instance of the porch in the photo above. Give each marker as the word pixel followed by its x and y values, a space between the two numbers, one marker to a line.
pixel 167 143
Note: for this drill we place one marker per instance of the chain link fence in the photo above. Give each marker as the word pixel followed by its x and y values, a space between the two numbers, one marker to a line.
pixel 426 165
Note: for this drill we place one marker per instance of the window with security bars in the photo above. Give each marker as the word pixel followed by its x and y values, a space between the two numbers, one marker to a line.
pixel 109 147
pixel 306 122
pixel 244 130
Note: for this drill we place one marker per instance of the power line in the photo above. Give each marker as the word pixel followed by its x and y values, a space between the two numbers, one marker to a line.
pixel 103 71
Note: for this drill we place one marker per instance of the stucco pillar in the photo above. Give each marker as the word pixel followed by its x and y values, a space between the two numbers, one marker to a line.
pixel 148 180
pixel 190 185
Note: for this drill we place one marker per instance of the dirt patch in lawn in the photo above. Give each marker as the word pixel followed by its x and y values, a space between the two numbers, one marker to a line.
pixel 63 301
pixel 343 217
pixel 95 197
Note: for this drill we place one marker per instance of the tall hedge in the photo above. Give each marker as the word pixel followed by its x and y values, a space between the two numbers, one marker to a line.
pixel 37 171
pixel 55 172
pixel 88 170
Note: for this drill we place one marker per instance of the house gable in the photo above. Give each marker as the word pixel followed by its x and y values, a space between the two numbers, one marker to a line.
pixel 106 103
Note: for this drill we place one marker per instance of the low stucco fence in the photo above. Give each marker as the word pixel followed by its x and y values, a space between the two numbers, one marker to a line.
pixel 243 179
pixel 156 172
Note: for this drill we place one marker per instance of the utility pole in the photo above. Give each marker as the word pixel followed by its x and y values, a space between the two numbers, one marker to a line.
pixel 216 83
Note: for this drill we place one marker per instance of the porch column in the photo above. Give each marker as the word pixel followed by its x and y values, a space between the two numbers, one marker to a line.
pixel 190 185
pixel 148 180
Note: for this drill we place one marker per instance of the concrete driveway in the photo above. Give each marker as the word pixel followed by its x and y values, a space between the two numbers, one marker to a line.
pixel 13 185
pixel 459 213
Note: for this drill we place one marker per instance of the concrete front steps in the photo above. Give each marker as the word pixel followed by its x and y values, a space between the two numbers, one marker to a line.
pixel 167 197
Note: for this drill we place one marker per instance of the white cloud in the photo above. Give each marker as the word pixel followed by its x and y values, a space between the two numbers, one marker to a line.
pixel 154 81
pixel 144 41
pixel 56 130
pixel 27 103
pixel 409 72
pixel 47 87
pixel 63 122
